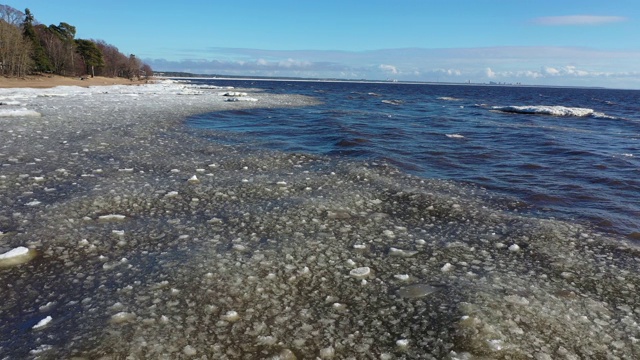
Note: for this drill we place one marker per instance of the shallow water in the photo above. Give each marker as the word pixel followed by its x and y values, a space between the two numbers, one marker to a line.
pixel 584 168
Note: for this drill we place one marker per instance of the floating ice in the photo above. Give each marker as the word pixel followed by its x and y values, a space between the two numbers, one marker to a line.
pixel 18 113
pixel 231 316
pixel 416 291
pixel 112 217
pixel 546 110
pixel 42 323
pixel 446 267
pixel 171 194
pixel 17 252
pixel 233 99
pixel 400 252
pixel 299 242
pixel 189 350
pixel 402 343
pixel 193 179
pixel 11 102
pixel 361 272
pixel 401 277
pixel 40 349
pixel 122 317
pixel 327 353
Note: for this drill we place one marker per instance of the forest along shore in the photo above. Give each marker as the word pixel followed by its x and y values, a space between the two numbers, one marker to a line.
pixel 126 234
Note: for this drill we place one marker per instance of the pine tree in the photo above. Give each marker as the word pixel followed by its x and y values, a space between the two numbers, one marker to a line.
pixel 91 55
pixel 40 60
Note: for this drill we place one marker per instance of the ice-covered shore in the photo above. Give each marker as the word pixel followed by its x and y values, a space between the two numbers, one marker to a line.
pixel 153 242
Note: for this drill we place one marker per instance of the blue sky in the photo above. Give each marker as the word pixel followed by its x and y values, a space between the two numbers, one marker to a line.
pixel 543 42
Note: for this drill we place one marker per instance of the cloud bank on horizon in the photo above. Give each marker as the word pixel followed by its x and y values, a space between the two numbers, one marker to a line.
pixel 525 65
pixel 532 65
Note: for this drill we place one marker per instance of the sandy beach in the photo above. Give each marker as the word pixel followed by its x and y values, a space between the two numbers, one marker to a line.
pixel 49 81
pixel 126 234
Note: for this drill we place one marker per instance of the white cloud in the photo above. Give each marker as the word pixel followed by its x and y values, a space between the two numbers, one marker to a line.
pixel 550 71
pixel 490 73
pixel 291 63
pixel 578 20
pixel 451 72
pixel 388 68
pixel 572 70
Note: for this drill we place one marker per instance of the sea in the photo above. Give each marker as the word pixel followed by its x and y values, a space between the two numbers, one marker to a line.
pixel 566 153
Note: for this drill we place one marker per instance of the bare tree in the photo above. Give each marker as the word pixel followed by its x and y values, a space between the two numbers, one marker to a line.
pixel 133 67
pixel 15 51
pixel 115 62
pixel 11 15
pixel 147 72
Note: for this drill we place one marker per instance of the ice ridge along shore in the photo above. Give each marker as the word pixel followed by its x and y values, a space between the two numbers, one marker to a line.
pixel 152 242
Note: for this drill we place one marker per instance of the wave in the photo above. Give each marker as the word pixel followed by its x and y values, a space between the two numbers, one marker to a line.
pixel 552 110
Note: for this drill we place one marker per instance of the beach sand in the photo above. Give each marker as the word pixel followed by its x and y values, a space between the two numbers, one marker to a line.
pixel 49 81
pixel 126 234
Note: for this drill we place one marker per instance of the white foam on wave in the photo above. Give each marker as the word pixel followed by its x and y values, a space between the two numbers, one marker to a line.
pixel 455 136
pixel 548 110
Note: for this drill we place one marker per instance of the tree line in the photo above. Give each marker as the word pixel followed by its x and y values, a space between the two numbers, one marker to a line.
pixel 27 47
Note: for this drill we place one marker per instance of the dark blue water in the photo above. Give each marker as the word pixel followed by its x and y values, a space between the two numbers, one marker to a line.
pixel 584 169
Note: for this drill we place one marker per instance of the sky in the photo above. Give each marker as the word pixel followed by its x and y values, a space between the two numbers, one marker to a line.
pixel 541 42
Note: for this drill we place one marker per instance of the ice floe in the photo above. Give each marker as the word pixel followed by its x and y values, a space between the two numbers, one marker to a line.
pixel 20 112
pixel 16 252
pixel 550 110
pixel 42 323
pixel 16 256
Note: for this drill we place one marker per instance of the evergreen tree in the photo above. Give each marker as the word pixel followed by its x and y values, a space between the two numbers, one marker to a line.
pixel 91 55
pixel 40 60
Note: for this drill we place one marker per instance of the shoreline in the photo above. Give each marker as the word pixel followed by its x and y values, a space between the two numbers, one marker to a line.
pixel 151 241
pixel 50 81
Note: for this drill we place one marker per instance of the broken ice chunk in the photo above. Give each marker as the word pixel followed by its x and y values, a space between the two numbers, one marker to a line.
pixel 42 323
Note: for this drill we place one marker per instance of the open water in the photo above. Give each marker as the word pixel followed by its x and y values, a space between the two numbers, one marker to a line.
pixel 569 153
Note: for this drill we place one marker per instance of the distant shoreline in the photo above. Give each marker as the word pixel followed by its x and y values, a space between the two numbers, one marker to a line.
pixel 364 81
pixel 49 81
